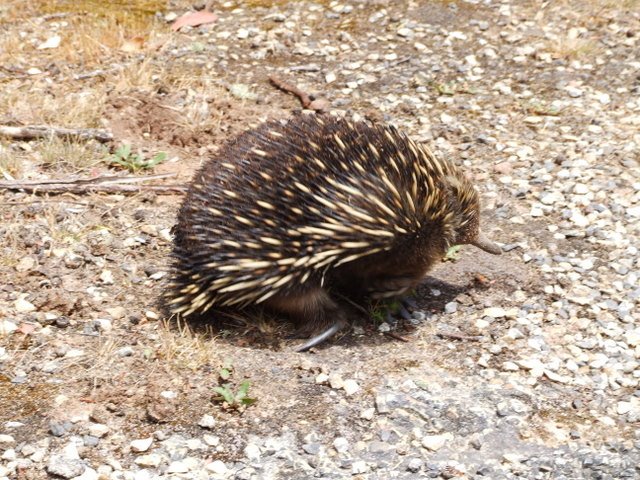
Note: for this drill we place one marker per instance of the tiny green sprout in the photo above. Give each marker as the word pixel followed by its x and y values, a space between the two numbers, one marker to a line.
pixel 238 399
pixel 446 88
pixel 452 253
pixel 226 370
pixel 380 310
pixel 135 162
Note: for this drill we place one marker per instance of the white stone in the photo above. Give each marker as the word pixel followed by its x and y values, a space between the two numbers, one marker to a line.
pixel 494 312
pixel 52 42
pixel 98 430
pixel 368 413
pixel 88 474
pixel 211 440
pixel 207 421
pixel 106 277
pixel 177 467
pixel 359 467
pixel 74 353
pixel 252 452
pixel 350 387
pixel 7 327
pixel 141 445
pixel 435 442
pixel 151 460
pixel 217 466
pixel 341 444
pixel 23 306
pixel 335 380
pixel 624 407
pixel 632 338
pixel 510 367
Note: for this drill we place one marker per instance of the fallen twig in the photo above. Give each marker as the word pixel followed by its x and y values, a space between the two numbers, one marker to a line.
pixel 396 336
pixel 95 73
pixel 33 131
pixel 400 61
pixel 108 184
pixel 458 336
pixel 307 101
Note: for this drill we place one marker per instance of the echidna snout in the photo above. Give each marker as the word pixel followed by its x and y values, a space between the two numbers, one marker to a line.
pixel 297 215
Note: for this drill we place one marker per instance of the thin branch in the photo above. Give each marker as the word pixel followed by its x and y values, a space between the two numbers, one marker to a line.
pixel 108 184
pixel 307 100
pixel 32 132
pixel 458 336
pixel 396 336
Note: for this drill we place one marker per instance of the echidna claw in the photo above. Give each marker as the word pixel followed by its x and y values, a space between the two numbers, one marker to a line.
pixel 318 339
pixel 409 302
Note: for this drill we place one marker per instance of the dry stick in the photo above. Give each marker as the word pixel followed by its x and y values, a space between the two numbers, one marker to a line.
pixel 105 179
pixel 32 132
pixel 306 100
pixel 396 336
pixel 99 184
pixel 458 336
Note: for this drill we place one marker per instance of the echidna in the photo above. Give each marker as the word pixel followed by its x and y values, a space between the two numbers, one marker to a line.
pixel 296 215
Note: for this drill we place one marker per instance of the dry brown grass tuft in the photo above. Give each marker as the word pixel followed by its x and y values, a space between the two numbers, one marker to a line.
pixel 183 348
pixel 56 153
pixel 91 31
pixel 573 48
pixel 10 163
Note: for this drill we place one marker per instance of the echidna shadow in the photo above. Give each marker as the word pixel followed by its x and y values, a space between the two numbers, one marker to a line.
pixel 294 216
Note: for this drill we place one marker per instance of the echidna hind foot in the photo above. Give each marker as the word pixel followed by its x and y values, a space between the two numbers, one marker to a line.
pixel 316 314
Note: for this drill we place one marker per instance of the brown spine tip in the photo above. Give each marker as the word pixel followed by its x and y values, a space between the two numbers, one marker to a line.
pixel 487 245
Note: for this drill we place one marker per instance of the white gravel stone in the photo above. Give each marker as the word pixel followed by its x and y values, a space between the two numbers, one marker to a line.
pixel 178 467
pixel 494 312
pixel 150 460
pixel 336 381
pixel 141 445
pixel 368 413
pixel 359 467
pixel 23 306
pixel 350 387
pixel 252 451
pixel 7 327
pixel 341 444
pixel 98 430
pixel 207 421
pixel 436 442
pixel 216 467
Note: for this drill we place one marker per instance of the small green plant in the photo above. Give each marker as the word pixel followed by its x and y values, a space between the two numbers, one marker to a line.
pixel 134 162
pixel 379 312
pixel 232 399
pixel 452 253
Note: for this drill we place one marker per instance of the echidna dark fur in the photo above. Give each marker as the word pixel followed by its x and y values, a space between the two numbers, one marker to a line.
pixel 295 215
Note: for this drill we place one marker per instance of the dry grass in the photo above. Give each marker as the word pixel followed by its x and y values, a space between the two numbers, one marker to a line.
pixel 34 103
pixel 56 153
pixel 573 48
pixel 10 162
pixel 184 349
pixel 90 30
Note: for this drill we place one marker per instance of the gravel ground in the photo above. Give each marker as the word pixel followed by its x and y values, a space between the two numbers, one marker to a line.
pixel 526 366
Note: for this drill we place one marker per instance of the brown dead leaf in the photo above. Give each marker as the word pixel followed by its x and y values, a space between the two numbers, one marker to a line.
pixel 193 19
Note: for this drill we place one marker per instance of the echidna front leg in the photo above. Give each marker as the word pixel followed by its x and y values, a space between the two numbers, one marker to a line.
pixel 314 313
